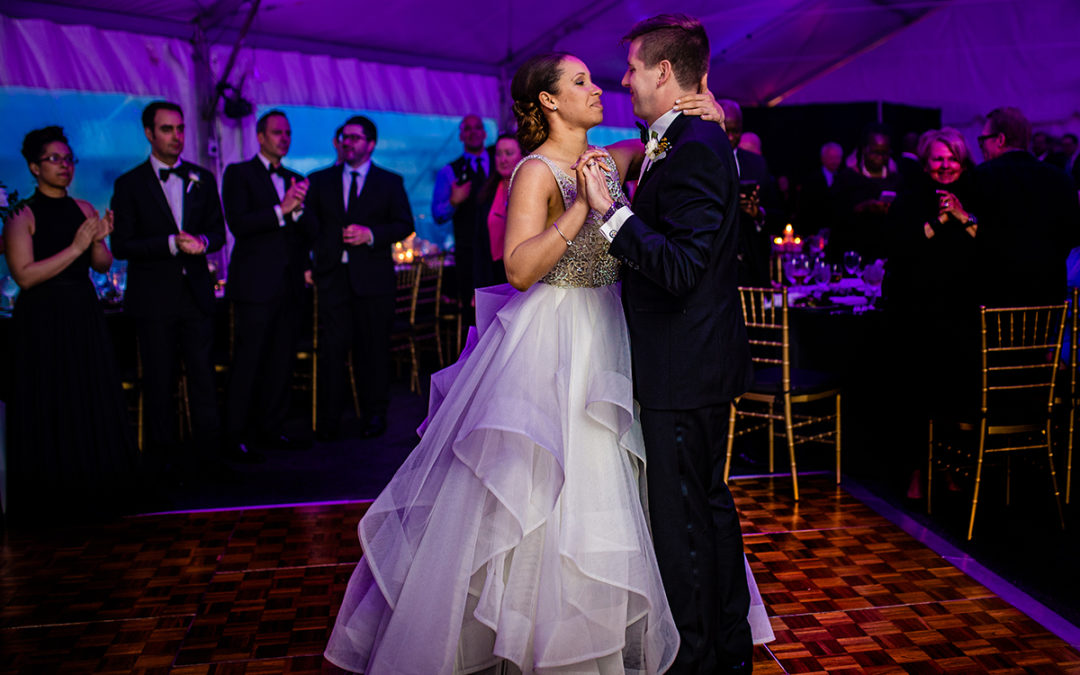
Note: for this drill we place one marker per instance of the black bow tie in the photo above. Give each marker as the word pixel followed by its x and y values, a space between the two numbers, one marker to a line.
pixel 164 173
pixel 644 132
pixel 279 170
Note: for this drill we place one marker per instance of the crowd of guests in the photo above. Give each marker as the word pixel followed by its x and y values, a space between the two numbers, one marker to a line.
pixel 955 235
pixel 70 437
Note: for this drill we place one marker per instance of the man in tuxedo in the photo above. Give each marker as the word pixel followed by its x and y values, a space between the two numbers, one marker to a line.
pixel 168 217
pixel 1028 217
pixel 457 189
pixel 688 342
pixel 357 212
pixel 263 204
pixel 760 214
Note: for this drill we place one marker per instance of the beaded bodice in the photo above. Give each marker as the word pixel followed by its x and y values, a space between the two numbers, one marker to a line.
pixel 586 264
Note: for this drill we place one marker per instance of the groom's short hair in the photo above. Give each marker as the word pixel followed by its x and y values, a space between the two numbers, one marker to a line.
pixel 678 38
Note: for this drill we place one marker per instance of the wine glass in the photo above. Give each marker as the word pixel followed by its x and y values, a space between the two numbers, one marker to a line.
pixel 822 273
pixel 873 275
pixel 800 268
pixel 837 272
pixel 852 262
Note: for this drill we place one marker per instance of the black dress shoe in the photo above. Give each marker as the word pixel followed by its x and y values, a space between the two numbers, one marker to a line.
pixel 374 426
pixel 243 452
pixel 282 442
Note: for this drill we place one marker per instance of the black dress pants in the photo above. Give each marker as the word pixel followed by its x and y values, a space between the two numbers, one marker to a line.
pixel 263 353
pixel 697 538
pixel 363 323
pixel 191 331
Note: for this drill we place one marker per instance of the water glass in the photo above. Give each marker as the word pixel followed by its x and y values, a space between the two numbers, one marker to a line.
pixel 852 262
pixel 822 273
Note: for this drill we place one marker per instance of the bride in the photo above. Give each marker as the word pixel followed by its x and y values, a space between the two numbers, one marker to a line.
pixel 514 536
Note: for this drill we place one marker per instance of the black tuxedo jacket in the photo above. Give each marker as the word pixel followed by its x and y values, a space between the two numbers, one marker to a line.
pixel 1029 219
pixel 815 208
pixel 688 341
pixel 155 277
pixel 267 259
pixel 384 207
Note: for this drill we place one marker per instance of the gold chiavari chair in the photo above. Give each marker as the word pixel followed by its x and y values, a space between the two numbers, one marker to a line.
pixel 778 387
pixel 306 379
pixel 401 339
pixel 424 319
pixel 450 315
pixel 1073 362
pixel 1019 348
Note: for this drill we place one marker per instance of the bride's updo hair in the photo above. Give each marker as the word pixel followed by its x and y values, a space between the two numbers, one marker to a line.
pixel 538 74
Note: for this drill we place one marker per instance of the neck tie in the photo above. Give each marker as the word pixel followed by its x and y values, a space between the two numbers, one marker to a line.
pixel 164 174
pixel 279 170
pixel 351 203
pixel 644 132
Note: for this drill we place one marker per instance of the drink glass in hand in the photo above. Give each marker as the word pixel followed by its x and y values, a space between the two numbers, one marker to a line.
pixel 852 262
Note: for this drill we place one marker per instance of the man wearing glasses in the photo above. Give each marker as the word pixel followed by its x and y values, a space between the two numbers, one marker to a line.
pixel 1029 216
pixel 357 212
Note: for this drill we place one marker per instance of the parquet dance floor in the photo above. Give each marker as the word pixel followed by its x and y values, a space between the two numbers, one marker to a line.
pixel 256 591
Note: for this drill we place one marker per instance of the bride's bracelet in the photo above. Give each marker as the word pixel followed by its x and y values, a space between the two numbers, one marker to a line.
pixel 568 242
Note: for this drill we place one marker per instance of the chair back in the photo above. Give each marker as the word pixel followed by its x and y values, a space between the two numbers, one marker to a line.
pixel 427 292
pixel 405 291
pixel 765 312
pixel 1073 358
pixel 1020 351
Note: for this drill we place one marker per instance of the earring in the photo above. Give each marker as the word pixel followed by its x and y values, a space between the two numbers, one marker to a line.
pixel 554 107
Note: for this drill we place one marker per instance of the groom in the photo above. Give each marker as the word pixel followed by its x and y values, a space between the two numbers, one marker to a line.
pixel 688 343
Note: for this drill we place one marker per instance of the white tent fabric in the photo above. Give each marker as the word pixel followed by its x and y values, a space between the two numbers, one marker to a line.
pixel 968 58
pixel 964 56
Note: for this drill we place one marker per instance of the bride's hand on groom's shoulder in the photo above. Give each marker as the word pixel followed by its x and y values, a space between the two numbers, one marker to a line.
pixel 703 105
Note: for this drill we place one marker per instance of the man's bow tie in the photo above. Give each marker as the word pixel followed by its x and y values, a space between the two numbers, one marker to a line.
pixel 644 132
pixel 164 173
pixel 279 170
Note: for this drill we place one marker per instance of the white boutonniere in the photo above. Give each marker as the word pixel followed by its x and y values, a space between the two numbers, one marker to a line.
pixel 656 149
pixel 192 181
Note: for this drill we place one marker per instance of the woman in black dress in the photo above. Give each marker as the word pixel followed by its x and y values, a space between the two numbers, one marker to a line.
pixel 69 445
pixel 930 291
pixel 491 214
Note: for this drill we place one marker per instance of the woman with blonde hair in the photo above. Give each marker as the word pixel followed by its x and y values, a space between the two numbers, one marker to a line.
pixel 930 288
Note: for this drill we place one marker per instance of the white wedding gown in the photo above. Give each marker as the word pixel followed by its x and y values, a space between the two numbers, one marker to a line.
pixel 514 533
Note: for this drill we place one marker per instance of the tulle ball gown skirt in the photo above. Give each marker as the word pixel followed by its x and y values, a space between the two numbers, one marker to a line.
pixel 514 532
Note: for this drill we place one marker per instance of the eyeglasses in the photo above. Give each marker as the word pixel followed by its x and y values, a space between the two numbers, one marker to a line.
pixel 353 138
pixel 985 137
pixel 59 159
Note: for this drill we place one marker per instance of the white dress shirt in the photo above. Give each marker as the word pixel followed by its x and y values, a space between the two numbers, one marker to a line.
pixel 279 185
pixel 346 184
pixel 658 128
pixel 174 194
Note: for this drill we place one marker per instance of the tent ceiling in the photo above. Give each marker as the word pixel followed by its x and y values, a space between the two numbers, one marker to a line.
pixel 762 50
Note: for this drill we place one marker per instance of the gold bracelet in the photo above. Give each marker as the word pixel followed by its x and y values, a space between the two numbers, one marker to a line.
pixel 568 242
